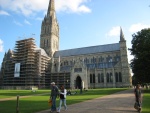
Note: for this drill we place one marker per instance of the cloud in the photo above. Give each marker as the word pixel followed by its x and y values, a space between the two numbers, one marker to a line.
pixel 75 6
pixel 115 31
pixel 138 27
pixel 17 23
pixel 4 13
pixel 29 7
pixel 27 22
pixel 1 45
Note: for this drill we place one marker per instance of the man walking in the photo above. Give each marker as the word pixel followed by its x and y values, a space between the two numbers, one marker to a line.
pixel 138 97
pixel 53 96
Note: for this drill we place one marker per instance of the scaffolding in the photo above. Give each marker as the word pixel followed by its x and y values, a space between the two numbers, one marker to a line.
pixel 62 78
pixel 32 66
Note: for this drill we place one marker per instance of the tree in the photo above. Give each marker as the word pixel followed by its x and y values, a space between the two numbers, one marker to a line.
pixel 140 64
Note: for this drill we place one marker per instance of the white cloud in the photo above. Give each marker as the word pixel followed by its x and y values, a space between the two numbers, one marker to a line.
pixel 28 7
pixel 27 22
pixel 75 6
pixel 138 27
pixel 17 23
pixel 115 31
pixel 1 45
pixel 4 13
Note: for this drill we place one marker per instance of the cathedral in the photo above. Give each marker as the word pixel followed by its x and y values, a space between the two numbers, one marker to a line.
pixel 100 66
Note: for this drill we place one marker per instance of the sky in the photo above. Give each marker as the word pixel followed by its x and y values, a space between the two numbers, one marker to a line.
pixel 82 23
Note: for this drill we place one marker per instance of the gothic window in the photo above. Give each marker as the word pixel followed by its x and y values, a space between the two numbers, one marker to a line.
pixel 91 79
pixel 102 77
pixel 87 60
pixel 120 77
pixel 94 60
pixel 117 58
pixel 78 70
pixel 116 77
pixel 111 77
pixel 109 59
pixel 101 59
pixel 108 78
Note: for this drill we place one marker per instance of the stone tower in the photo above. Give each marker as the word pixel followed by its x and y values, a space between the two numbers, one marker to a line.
pixel 49 39
pixel 124 60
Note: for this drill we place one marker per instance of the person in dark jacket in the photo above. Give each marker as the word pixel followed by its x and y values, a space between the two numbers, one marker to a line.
pixel 138 97
pixel 54 94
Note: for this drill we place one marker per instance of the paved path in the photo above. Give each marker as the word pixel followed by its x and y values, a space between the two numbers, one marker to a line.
pixel 121 102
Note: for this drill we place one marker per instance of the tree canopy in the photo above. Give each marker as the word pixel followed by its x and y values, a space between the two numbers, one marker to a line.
pixel 140 64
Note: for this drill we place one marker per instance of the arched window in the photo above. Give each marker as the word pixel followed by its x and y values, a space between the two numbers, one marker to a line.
pixel 111 77
pixel 120 77
pixel 116 77
pixel 108 78
pixel 91 78
pixel 99 78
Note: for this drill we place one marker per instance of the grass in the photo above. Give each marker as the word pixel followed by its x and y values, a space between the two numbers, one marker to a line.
pixel 146 102
pixel 39 103
pixel 13 93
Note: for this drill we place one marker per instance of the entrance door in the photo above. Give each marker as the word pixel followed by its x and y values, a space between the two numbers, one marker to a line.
pixel 78 82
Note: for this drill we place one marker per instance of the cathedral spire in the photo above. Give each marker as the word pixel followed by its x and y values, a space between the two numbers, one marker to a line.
pixel 51 8
pixel 121 35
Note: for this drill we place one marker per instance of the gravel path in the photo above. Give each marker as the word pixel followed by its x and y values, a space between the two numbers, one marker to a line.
pixel 121 102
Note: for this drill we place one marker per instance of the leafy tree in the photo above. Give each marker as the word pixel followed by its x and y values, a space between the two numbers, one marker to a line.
pixel 140 64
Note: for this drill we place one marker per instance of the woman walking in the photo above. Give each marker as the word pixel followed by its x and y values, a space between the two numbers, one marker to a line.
pixel 63 93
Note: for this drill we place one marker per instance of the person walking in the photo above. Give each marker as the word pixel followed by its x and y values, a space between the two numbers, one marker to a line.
pixel 62 95
pixel 54 94
pixel 138 97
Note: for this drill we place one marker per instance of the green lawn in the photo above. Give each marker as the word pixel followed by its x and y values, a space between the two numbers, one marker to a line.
pixel 13 93
pixel 38 103
pixel 146 102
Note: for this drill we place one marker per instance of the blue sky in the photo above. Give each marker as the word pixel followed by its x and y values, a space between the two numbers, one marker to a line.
pixel 82 22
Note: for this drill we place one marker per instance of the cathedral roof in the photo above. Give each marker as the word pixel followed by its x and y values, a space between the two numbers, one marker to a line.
pixel 88 50
pixel 42 51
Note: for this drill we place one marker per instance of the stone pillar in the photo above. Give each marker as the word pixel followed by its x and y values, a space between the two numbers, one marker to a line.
pixel 96 78
pixel 114 81
pixel 105 82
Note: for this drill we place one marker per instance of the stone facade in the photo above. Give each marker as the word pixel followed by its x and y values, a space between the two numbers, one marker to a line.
pixel 89 67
